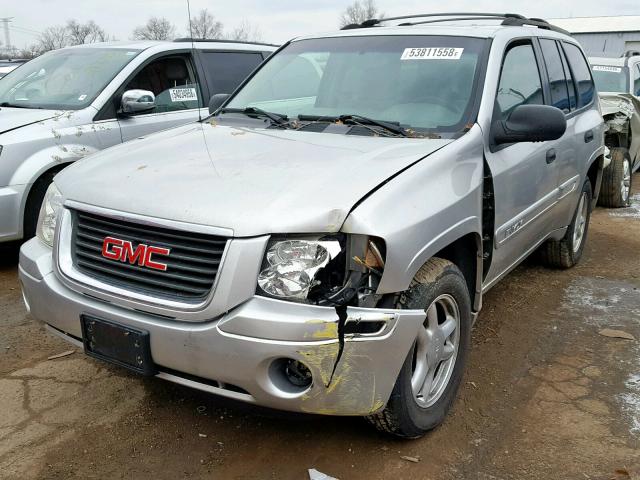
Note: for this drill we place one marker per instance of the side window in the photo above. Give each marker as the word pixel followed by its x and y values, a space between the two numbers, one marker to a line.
pixel 581 73
pixel 557 78
pixel 573 98
pixel 172 81
pixel 519 80
pixel 226 70
pixel 636 80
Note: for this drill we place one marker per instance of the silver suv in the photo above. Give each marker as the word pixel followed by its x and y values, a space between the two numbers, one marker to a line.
pixel 323 241
pixel 70 103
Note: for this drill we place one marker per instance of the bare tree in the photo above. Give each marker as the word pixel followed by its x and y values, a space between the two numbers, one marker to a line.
pixel 245 32
pixel 156 28
pixel 359 11
pixel 204 25
pixel 53 38
pixel 89 32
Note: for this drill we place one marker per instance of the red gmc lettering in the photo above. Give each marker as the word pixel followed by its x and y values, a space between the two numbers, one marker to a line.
pixel 123 251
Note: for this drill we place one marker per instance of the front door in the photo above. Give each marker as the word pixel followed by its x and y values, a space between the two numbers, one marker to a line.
pixel 525 176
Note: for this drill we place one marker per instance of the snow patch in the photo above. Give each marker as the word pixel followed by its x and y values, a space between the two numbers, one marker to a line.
pixel 632 211
pixel 603 303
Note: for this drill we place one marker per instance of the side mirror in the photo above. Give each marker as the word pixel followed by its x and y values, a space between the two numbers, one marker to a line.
pixel 530 123
pixel 216 101
pixel 135 101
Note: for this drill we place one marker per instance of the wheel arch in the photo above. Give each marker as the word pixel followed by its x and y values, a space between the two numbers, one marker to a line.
pixel 466 254
pixel 53 168
pixel 594 174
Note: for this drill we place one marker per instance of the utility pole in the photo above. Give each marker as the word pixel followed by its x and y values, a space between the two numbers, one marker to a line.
pixel 7 37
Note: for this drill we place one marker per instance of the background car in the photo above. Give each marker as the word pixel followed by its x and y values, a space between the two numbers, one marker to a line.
pixel 618 84
pixel 9 65
pixel 70 103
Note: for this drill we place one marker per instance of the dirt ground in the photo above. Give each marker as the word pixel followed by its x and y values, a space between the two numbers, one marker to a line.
pixel 545 395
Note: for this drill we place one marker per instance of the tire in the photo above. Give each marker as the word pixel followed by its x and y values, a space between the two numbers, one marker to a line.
pixel 567 252
pixel 616 180
pixel 34 202
pixel 410 415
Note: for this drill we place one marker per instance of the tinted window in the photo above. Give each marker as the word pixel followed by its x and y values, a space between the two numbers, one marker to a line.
pixel 573 98
pixel 581 73
pixel 172 82
pixel 636 79
pixel 226 70
pixel 519 81
pixel 557 79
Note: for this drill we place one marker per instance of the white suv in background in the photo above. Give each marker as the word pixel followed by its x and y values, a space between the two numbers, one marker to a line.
pixel 70 103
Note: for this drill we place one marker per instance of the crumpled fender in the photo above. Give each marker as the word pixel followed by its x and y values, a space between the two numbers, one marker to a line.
pixel 618 109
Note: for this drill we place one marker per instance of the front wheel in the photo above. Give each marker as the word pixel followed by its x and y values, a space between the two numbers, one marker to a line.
pixel 616 180
pixel 432 372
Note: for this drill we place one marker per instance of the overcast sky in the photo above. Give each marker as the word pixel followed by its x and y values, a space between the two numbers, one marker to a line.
pixel 278 20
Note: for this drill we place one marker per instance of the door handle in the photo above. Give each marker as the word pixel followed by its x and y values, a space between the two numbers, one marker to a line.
pixel 588 136
pixel 551 155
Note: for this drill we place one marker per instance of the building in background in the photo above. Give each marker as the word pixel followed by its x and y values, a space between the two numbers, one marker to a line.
pixel 604 36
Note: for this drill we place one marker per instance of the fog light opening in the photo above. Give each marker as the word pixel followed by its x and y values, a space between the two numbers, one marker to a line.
pixel 290 376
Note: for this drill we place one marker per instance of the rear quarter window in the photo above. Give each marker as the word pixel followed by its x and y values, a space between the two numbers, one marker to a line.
pixel 581 74
pixel 226 70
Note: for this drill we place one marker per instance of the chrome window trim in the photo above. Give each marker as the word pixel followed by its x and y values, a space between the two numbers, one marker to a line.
pixel 63 263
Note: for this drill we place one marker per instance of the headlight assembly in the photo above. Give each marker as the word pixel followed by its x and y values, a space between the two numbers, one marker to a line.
pixel 51 206
pixel 291 266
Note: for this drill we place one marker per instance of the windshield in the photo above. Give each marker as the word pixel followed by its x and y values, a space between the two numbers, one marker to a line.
pixel 610 79
pixel 63 79
pixel 419 82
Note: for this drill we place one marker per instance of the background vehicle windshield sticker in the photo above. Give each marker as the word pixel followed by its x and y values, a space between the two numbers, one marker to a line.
pixel 183 94
pixel 432 53
pixel 603 68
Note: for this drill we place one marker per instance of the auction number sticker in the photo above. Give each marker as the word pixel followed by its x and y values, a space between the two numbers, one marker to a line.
pixel 604 68
pixel 432 53
pixel 183 94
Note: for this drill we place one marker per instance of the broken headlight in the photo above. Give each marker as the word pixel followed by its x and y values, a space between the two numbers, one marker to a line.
pixel 293 267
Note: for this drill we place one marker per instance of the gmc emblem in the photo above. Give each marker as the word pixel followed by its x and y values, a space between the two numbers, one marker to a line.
pixel 123 251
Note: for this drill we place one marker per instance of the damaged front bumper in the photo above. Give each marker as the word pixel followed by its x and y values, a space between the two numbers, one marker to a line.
pixel 240 354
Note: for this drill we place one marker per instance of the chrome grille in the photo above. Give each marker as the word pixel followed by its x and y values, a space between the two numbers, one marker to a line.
pixel 192 263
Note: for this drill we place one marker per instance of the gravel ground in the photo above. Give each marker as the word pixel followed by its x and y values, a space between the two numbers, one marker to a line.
pixel 545 395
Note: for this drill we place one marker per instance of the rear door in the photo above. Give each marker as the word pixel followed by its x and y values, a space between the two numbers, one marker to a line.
pixel 525 180
pixel 562 95
pixel 586 123
pixel 173 80
pixel 225 70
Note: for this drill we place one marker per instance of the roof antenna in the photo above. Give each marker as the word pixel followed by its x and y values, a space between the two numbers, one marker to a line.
pixel 193 54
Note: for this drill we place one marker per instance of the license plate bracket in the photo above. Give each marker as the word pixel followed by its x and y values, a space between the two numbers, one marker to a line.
pixel 118 344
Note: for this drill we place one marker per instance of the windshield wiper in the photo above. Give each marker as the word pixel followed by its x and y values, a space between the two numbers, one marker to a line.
pixel 276 118
pixel 12 105
pixel 355 119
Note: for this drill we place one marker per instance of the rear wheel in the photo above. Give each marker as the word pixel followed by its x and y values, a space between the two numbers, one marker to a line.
pixel 432 372
pixel 568 251
pixel 616 180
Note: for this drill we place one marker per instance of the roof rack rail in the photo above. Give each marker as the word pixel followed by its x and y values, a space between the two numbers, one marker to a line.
pixel 631 53
pixel 508 19
pixel 219 40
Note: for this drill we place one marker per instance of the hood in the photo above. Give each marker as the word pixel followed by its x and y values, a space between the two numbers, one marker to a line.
pixel 12 118
pixel 252 181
